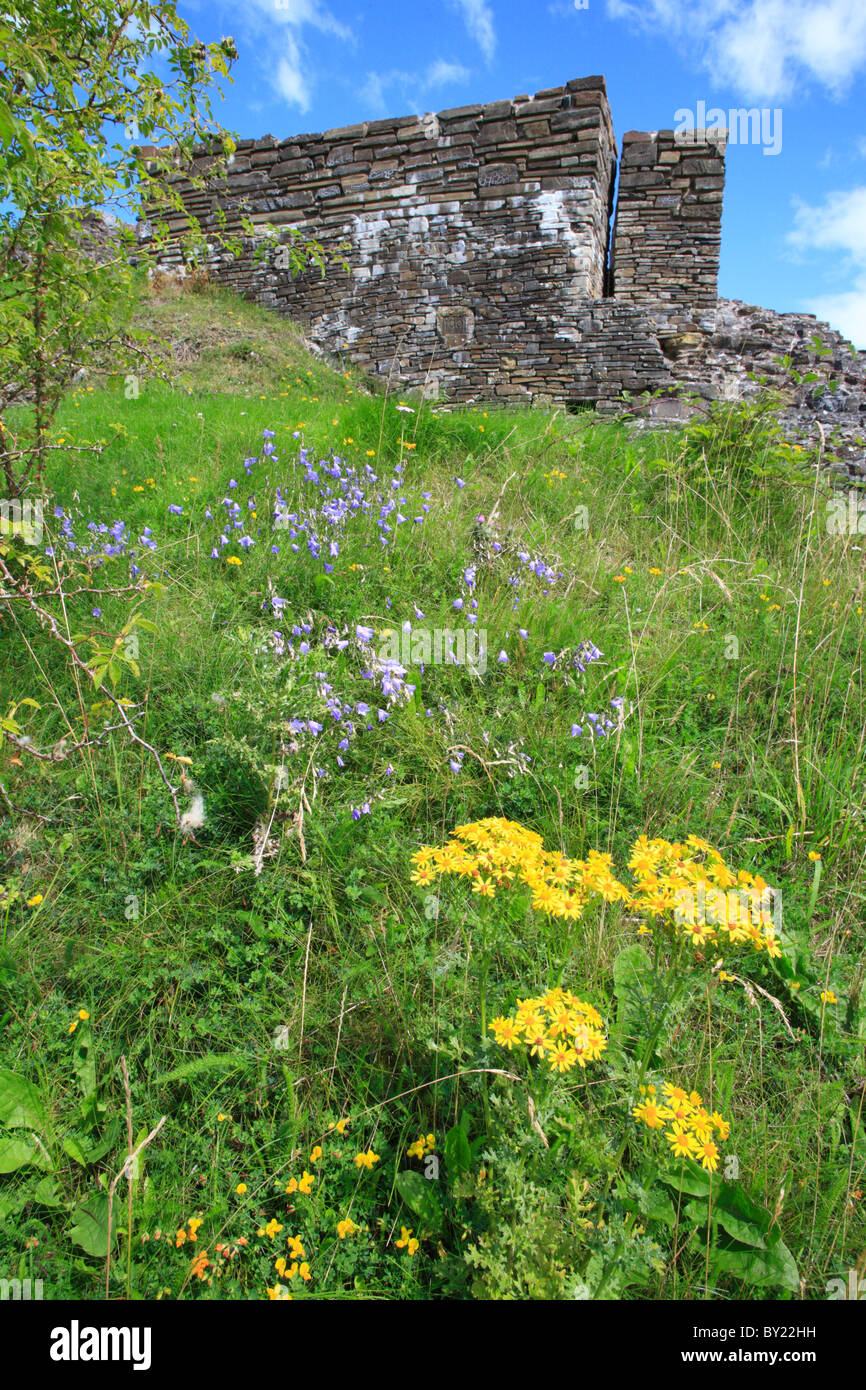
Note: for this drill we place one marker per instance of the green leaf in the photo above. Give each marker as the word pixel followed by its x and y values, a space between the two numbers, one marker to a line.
pixel 775 1266
pixel 416 1193
pixel 20 1104
pixel 90 1225
pixel 16 1151
pixel 45 1192
pixel 75 1151
pixel 11 1205
pixel 636 990
pixel 84 1063
pixel 458 1154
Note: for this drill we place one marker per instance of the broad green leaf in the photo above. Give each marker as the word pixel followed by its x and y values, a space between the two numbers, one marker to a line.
pixel 774 1266
pixel 45 1192
pixel 17 1150
pixel 458 1154
pixel 84 1063
pixel 75 1151
pixel 417 1193
pixel 20 1104
pixel 90 1225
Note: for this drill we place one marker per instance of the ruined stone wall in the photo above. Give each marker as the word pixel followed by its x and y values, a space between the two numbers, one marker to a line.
pixel 667 232
pixel 478 243
pixel 475 238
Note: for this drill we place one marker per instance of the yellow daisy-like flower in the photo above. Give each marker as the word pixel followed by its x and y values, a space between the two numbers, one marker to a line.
pixel 650 1113
pixel 505 1031
pixel 682 1142
pixel 708 1153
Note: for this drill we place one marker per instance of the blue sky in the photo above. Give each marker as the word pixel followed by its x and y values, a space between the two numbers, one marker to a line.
pixel 794 228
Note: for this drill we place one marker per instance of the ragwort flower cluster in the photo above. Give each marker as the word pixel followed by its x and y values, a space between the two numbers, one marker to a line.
pixel 688 1126
pixel 686 886
pixel 557 1026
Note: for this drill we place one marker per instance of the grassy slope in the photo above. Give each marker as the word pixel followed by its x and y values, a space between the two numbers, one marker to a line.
pixel 187 962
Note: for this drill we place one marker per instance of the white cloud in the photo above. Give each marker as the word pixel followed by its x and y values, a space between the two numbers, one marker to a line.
pixel 845 312
pixel 478 18
pixel 440 73
pixel 278 26
pixel 409 86
pixel 763 47
pixel 297 13
pixel 838 226
pixel 289 78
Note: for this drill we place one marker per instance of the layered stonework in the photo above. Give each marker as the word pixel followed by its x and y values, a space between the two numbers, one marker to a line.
pixel 668 232
pixel 477 243
pixel 480 260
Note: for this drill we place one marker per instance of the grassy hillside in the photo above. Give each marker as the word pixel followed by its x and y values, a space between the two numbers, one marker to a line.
pixel 672 648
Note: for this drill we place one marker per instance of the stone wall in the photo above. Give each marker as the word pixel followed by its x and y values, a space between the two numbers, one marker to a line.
pixel 667 232
pixel 481 264
pixel 473 236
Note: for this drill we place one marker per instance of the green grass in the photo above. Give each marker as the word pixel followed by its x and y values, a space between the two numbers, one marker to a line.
pixel 729 619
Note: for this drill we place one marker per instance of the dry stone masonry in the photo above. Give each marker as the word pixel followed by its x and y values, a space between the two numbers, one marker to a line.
pixel 481 261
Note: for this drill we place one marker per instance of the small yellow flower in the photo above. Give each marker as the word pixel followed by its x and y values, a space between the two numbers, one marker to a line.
pixel 279 1294
pixel 233 560
pixel 813 855
pixel 407 1241
pixel 316 1153
pixel 305 1183
pixel 83 1015
pixel 828 997
pixel 241 1189
pixel 366 1160
pixel 35 900
pixel 273 1228
pixel 346 1227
